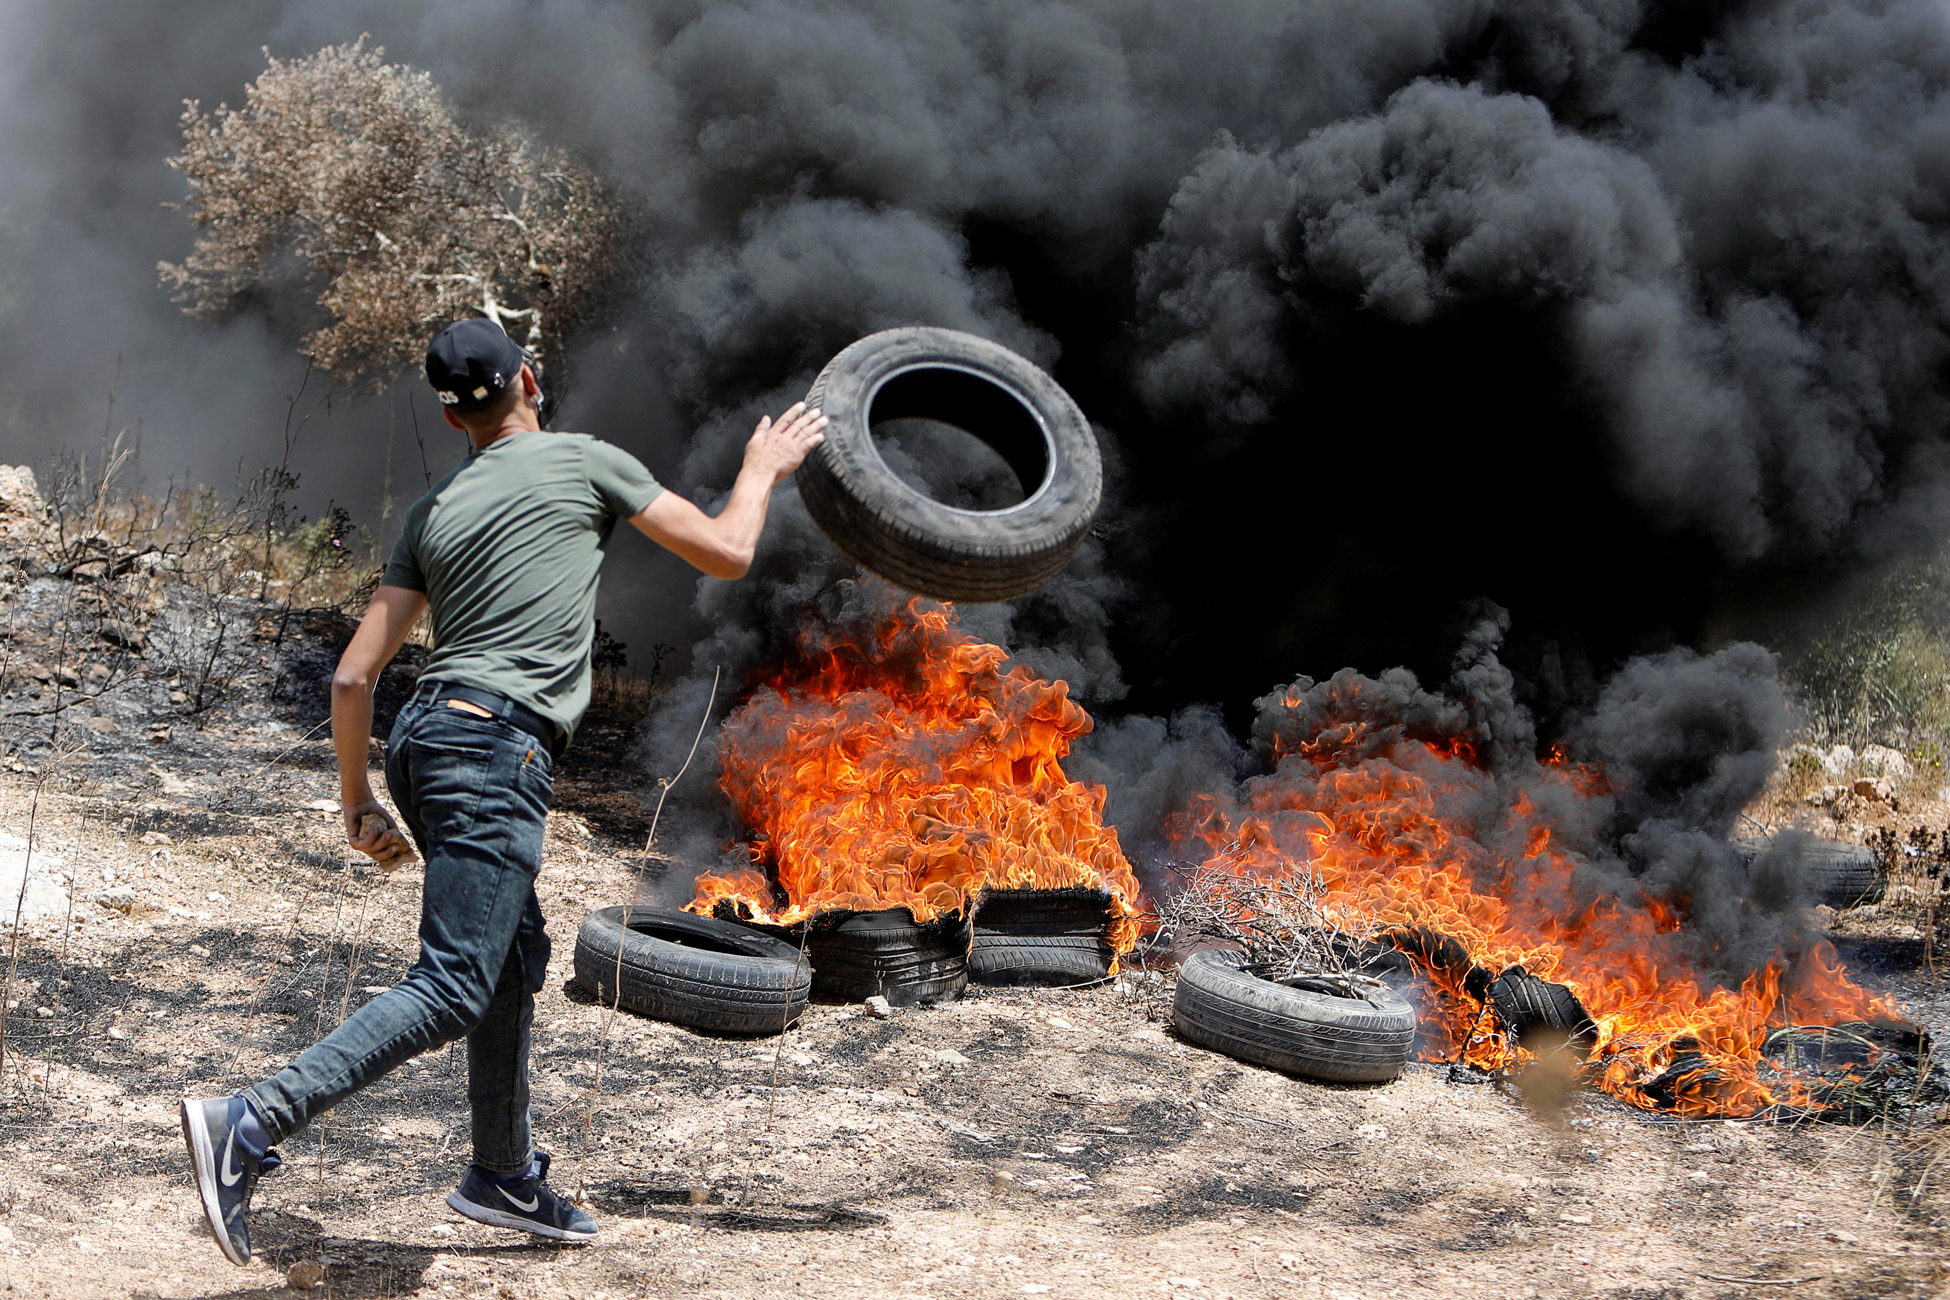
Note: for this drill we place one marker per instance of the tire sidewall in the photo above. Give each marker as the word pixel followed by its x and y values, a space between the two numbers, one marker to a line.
pixel 855 497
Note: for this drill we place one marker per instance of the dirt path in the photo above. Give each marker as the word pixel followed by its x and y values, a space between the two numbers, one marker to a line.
pixel 1016 1143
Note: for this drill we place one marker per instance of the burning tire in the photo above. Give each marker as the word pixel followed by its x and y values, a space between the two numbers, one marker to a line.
pixel 1837 874
pixel 1346 1029
pixel 887 954
pixel 911 539
pixel 1542 1016
pixel 691 970
pixel 1041 937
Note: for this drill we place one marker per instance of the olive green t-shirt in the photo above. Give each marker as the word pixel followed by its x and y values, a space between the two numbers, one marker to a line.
pixel 507 548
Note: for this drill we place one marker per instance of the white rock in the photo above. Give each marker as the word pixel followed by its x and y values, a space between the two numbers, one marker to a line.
pixel 949 1056
pixel 47 892
pixel 879 1007
pixel 1880 760
pixel 23 513
pixel 1839 761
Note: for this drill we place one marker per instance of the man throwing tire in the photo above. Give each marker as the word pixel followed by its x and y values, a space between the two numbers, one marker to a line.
pixel 505 552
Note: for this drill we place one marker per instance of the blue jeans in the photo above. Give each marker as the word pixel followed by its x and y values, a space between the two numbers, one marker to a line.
pixel 474 792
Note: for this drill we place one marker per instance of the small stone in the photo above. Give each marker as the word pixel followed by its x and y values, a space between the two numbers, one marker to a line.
pixel 179 697
pixel 308 1274
pixel 1058 1022
pixel 441 1230
pixel 100 726
pixel 879 1008
pixel 159 735
pixel 119 1034
pixel 118 899
pixel 949 1056
pixel 45 1013
pixel 156 837
pixel 1874 788
pixel 1842 1238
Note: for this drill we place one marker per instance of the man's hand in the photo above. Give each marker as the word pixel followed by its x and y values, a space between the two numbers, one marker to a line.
pixel 370 829
pixel 775 450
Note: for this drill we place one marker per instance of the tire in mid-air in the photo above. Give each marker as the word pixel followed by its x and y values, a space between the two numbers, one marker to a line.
pixel 1834 872
pixel 887 954
pixel 1048 937
pixel 1345 1029
pixel 691 970
pixel 1542 1016
pixel 904 535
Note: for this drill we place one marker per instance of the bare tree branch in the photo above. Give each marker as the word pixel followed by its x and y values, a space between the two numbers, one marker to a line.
pixel 351 178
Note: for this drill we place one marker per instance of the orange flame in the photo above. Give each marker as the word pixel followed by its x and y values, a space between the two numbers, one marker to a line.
pixel 907 768
pixel 1366 814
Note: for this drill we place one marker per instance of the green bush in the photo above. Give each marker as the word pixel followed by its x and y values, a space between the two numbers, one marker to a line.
pixel 1877 668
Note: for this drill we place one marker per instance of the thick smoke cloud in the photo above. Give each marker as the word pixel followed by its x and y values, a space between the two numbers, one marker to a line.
pixel 1755 393
pixel 1600 310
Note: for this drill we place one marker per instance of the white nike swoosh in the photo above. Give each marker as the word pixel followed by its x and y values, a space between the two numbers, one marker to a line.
pixel 526 1207
pixel 230 1179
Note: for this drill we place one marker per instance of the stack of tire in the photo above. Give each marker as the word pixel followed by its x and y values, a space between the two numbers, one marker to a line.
pixel 1833 873
pixel 1055 938
pixel 887 954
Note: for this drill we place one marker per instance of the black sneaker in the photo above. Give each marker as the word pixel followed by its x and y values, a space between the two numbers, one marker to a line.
pixel 226 1172
pixel 523 1202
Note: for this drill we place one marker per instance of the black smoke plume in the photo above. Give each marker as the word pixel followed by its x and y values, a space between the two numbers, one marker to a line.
pixel 1613 313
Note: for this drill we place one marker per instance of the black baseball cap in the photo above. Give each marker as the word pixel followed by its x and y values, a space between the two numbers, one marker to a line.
pixel 471 361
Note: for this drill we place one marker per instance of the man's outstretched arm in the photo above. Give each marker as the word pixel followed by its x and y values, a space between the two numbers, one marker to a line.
pixel 381 632
pixel 723 546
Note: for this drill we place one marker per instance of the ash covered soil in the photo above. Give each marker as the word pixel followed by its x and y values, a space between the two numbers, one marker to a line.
pixel 1060 1143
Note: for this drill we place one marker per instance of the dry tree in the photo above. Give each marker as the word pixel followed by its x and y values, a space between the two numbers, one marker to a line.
pixel 354 179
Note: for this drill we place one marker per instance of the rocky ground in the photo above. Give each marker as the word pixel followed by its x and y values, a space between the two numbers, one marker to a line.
pixel 1016 1143
pixel 192 920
